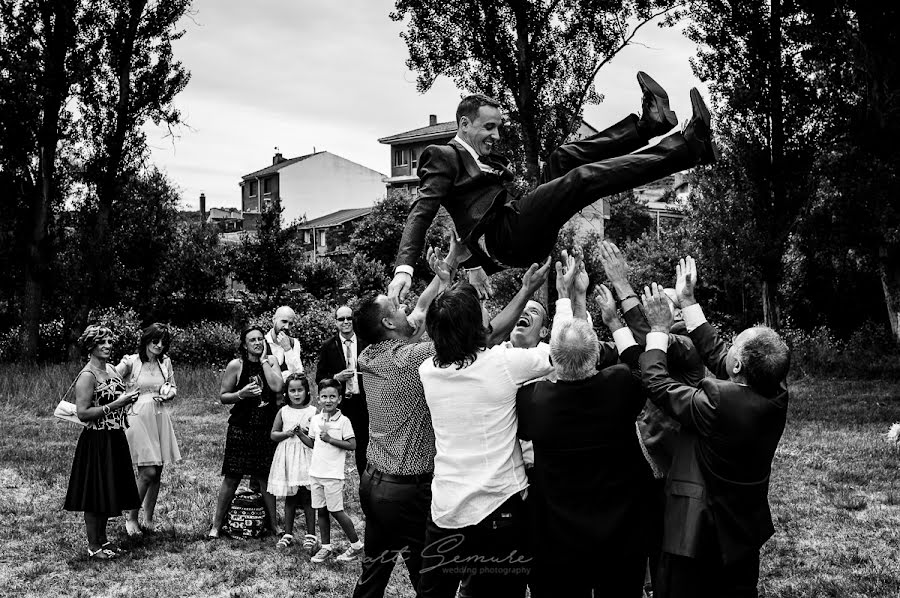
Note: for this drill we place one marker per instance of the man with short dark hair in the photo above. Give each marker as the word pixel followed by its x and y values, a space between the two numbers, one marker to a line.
pixel 395 488
pixel 503 228
pixel 337 359
pixel 717 510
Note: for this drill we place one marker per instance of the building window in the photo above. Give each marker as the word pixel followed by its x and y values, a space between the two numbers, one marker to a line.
pixel 307 237
pixel 253 188
pixel 321 238
pixel 413 159
pixel 267 186
pixel 399 157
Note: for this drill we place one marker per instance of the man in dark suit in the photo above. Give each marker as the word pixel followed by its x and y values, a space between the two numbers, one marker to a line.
pixel 590 480
pixel 503 228
pixel 717 510
pixel 337 359
pixel 657 431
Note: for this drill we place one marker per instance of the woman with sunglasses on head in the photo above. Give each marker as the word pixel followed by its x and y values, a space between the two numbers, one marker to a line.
pixel 251 384
pixel 151 436
pixel 101 483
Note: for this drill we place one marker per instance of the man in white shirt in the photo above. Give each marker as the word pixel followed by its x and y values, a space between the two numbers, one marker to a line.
pixel 478 527
pixel 282 345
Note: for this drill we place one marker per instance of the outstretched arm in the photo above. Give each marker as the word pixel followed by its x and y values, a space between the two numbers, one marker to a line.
pixel 503 323
pixel 692 407
pixel 705 338
pixel 444 270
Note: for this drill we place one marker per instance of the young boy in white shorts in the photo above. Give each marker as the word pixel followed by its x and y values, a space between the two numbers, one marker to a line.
pixel 330 436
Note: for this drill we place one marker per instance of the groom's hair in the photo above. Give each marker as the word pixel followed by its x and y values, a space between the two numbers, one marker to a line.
pixel 469 106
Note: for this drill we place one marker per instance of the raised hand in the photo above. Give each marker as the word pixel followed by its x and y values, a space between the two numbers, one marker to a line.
pixel 685 282
pixel 399 287
pixel 613 263
pixel 657 309
pixel 439 266
pixel 582 281
pixel 535 276
pixel 482 283
pixel 608 311
pixel 458 253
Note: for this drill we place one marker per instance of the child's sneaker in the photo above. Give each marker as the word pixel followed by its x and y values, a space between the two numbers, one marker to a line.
pixel 311 544
pixel 351 554
pixel 285 542
pixel 324 553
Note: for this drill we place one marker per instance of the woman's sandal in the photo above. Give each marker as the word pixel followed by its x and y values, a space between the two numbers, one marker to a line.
pixel 285 541
pixel 102 554
pixel 213 534
pixel 117 549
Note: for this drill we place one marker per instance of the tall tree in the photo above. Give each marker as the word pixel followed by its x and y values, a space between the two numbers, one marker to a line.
pixel 853 52
pixel 37 43
pixel 538 57
pixel 133 79
pixel 760 93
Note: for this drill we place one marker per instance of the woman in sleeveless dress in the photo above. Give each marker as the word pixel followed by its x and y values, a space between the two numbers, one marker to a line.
pixel 251 384
pixel 101 483
pixel 151 436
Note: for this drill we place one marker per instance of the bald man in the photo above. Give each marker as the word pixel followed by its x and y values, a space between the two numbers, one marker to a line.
pixel 282 345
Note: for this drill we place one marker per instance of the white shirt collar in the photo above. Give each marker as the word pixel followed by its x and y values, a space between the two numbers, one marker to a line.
pixel 468 148
pixel 343 340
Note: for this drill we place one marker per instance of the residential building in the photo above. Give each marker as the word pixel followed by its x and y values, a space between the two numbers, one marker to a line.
pixel 406 148
pixel 226 220
pixel 328 235
pixel 309 185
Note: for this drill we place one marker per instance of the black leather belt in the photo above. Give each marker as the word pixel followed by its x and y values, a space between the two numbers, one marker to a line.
pixel 398 479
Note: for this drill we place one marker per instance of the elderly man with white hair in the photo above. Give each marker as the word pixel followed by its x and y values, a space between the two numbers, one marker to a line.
pixel 590 481
pixel 282 345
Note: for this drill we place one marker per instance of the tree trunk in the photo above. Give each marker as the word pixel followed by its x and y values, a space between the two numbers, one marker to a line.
pixel 58 29
pixel 769 304
pixel 98 281
pixel 889 269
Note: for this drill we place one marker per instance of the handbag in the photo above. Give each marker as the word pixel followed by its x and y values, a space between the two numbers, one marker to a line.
pixel 246 517
pixel 66 410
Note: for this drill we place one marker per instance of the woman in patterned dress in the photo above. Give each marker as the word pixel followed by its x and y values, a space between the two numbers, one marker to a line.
pixel 251 384
pixel 151 436
pixel 102 482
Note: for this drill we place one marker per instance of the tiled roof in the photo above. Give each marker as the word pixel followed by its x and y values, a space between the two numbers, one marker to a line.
pixel 438 129
pixel 279 166
pixel 336 218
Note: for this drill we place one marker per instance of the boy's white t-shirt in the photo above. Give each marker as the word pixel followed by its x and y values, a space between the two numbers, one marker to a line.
pixel 327 459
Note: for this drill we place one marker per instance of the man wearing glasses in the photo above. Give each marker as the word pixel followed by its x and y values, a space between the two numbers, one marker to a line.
pixel 337 359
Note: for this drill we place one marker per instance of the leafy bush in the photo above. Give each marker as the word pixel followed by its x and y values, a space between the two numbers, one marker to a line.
pixel 869 352
pixel 205 342
pixel 125 324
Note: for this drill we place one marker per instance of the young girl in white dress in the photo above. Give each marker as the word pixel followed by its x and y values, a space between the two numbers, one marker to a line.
pixel 289 475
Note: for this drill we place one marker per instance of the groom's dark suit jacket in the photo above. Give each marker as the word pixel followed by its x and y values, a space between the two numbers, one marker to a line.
pixel 450 177
pixel 717 489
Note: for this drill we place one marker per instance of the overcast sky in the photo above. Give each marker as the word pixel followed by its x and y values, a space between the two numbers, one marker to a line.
pixel 325 75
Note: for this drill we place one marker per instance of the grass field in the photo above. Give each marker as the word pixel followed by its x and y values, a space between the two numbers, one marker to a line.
pixel 835 494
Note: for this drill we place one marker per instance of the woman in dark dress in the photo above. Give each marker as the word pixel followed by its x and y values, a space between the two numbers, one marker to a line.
pixel 251 383
pixel 102 482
